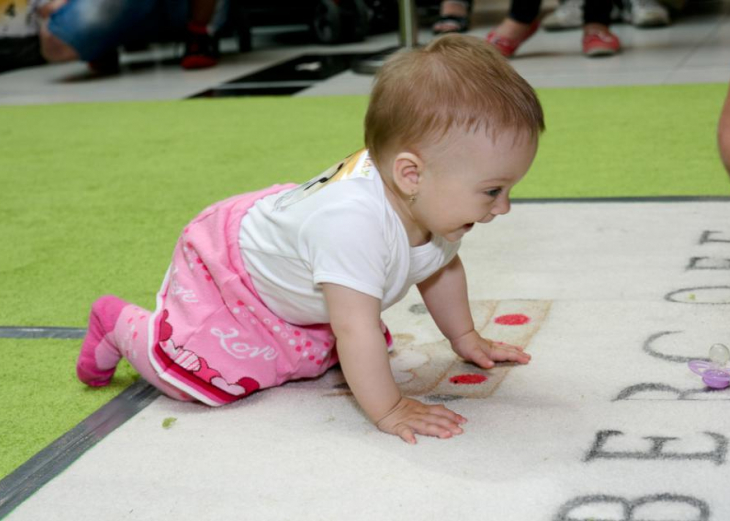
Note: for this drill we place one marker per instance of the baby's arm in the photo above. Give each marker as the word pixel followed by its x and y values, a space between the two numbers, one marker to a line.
pixel 445 296
pixel 363 354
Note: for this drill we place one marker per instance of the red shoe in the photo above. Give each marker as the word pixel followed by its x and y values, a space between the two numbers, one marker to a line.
pixel 601 43
pixel 508 46
pixel 201 49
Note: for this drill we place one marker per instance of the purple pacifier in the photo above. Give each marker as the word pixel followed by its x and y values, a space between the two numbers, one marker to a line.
pixel 714 373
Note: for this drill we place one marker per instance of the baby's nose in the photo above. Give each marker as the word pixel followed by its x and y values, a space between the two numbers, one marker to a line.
pixel 501 207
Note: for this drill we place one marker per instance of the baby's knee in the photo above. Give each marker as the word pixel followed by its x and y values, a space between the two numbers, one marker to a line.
pixel 85 29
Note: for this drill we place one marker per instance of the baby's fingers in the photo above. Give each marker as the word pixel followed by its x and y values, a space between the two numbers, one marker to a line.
pixel 508 353
pixel 406 434
pixel 482 359
pixel 411 417
pixel 437 427
pixel 440 410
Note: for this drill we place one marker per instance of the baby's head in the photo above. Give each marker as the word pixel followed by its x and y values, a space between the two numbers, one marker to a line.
pixel 454 112
pixel 454 82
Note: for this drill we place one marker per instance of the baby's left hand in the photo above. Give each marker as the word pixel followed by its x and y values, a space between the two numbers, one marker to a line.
pixel 482 352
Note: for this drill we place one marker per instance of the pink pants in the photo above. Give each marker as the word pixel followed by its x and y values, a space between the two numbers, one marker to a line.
pixel 129 339
pixel 211 338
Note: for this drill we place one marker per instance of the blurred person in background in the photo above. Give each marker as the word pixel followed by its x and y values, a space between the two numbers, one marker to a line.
pixel 523 20
pixel 93 30
pixel 639 13
pixel 453 17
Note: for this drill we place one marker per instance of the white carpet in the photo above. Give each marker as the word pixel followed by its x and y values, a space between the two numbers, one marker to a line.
pixel 606 423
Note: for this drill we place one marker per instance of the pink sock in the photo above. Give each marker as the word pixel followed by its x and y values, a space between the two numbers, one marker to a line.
pixel 99 356
pixel 118 329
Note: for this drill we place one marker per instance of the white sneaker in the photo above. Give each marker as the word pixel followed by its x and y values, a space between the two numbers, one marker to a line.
pixel 645 13
pixel 568 15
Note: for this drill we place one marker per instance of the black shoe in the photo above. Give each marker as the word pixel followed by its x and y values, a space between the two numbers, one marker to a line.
pixel 106 64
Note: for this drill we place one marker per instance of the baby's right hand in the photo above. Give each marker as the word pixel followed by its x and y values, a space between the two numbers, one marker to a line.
pixel 410 417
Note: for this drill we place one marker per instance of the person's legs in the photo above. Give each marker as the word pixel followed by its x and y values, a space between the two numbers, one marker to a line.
pixel 645 13
pixel 201 49
pixel 568 15
pixel 201 11
pixel 597 39
pixel 524 12
pixel 597 12
pixel 453 17
pixel 53 48
pixel 92 30
pixel 521 23
pixel 118 329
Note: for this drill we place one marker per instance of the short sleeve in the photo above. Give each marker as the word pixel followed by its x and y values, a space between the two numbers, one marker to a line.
pixel 429 258
pixel 345 244
pixel 450 250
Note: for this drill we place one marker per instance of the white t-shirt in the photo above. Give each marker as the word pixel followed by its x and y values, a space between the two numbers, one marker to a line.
pixel 337 228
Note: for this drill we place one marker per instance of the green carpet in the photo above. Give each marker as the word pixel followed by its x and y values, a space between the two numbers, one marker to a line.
pixel 42 398
pixel 92 197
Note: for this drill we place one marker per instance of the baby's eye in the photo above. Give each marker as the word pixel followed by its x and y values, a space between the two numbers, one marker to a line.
pixel 494 193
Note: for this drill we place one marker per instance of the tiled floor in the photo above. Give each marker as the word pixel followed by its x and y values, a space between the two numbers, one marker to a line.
pixel 696 48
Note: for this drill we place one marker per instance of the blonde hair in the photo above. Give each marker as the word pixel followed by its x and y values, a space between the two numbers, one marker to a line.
pixel 455 80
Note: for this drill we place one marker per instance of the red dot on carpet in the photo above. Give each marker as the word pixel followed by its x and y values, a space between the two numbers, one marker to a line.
pixel 468 379
pixel 512 320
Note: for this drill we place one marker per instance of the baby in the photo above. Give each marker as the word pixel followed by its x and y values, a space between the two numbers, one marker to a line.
pixel 283 283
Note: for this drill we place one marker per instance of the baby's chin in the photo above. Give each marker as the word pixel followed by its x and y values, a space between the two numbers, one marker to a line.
pixel 456 235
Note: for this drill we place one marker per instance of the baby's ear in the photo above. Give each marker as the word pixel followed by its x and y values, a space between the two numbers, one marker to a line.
pixel 407 170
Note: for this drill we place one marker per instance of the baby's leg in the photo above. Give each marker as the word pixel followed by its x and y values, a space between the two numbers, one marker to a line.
pixel 118 329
